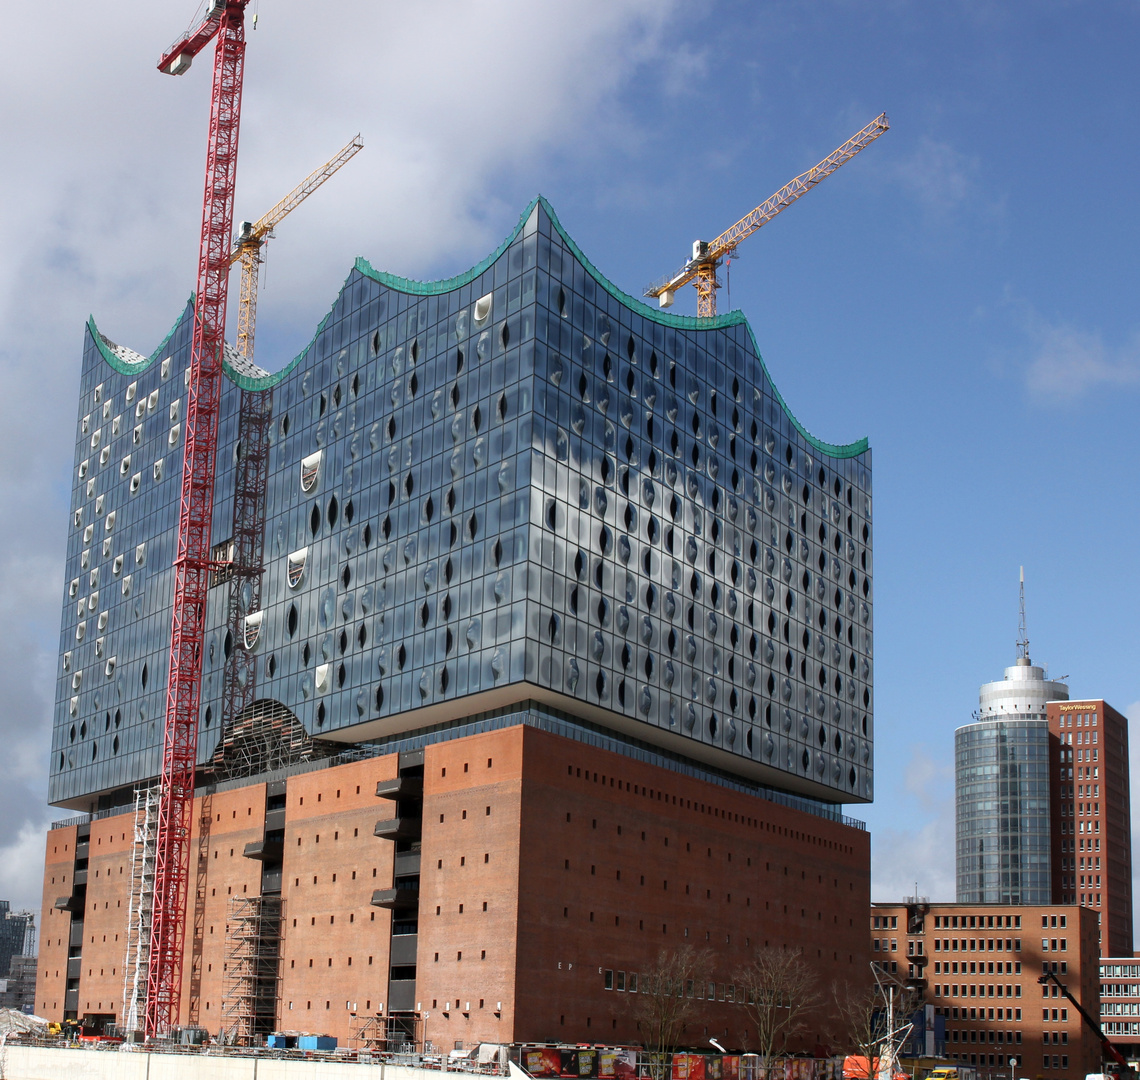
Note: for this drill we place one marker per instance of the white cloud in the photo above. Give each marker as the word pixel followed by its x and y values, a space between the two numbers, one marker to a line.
pixel 682 67
pixel 22 855
pixel 902 858
pixel 1068 362
pixel 463 107
pixel 937 176
pixel 920 849
pixel 927 779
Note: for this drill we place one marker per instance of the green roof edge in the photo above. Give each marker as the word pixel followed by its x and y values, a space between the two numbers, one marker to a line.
pixel 120 365
pixel 245 382
pixel 835 450
pixel 443 285
pixel 664 318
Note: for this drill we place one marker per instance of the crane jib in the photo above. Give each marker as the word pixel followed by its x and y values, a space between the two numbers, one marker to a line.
pixel 702 267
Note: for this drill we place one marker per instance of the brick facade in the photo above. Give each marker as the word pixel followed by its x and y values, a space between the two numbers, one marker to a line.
pixel 1091 819
pixel 544 863
pixel 957 954
pixel 55 925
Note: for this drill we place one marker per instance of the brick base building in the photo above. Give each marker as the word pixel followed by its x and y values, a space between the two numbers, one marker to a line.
pixel 505 886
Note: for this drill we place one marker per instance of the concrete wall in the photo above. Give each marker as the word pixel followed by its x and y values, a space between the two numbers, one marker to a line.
pixel 39 1063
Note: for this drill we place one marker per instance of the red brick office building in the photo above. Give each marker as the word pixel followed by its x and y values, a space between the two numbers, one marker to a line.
pixel 1091 815
pixel 979 966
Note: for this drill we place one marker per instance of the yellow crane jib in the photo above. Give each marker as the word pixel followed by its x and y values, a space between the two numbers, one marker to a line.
pixel 707 254
pixel 252 236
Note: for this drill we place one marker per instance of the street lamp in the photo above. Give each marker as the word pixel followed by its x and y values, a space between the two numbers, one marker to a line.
pixel 718 1046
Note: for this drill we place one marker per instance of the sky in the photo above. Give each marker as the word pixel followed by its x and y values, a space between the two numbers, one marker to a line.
pixel 963 292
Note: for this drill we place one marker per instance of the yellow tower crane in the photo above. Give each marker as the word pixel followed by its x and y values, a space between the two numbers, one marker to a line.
pixel 707 254
pixel 252 237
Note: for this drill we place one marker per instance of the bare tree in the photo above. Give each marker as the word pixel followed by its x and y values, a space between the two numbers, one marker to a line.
pixel 664 1002
pixel 858 1017
pixel 779 993
pixel 862 1013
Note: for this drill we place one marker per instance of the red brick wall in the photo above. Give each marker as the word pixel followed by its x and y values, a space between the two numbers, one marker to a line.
pixel 698 864
pixel 55 926
pixel 1082 975
pixel 470 861
pixel 1094 867
pixel 105 922
pixel 237 818
pixel 335 953
pixel 741 871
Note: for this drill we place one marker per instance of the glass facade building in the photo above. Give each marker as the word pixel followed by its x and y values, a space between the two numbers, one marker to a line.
pixel 1002 810
pixel 1002 791
pixel 518 484
pixel 17 935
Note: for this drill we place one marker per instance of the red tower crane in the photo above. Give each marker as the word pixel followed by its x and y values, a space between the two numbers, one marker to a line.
pixel 224 19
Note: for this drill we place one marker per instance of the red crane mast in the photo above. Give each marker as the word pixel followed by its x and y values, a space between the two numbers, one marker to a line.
pixel 224 19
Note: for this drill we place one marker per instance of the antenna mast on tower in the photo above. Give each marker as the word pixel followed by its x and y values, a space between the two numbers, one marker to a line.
pixel 1022 634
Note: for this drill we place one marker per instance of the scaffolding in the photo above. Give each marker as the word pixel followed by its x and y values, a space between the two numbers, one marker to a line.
pixel 397 1033
pixel 263 737
pixel 251 992
pixel 405 1032
pixel 205 821
pixel 243 613
pixel 368 1032
pixel 139 908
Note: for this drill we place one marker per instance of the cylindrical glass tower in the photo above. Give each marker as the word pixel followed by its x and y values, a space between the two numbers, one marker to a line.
pixel 1002 791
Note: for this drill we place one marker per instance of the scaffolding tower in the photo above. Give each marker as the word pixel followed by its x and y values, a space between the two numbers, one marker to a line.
pixel 368 1032
pixel 405 1032
pixel 198 937
pixel 139 908
pixel 251 992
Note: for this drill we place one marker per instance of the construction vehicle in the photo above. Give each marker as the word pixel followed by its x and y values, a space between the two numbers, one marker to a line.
pixel 953 1072
pixel 708 254
pixel 1109 1049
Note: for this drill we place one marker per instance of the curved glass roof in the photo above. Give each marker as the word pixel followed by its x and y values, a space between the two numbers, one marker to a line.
pixel 250 377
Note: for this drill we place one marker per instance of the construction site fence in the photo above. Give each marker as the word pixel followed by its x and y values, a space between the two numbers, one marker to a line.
pixel 645 1065
pixel 438 1063
pixel 625 1064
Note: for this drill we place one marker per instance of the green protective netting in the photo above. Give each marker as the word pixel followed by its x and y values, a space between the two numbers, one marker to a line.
pixel 120 363
pixel 410 287
pixel 664 318
pixel 112 354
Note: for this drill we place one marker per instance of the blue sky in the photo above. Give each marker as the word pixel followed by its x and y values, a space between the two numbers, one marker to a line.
pixel 962 293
